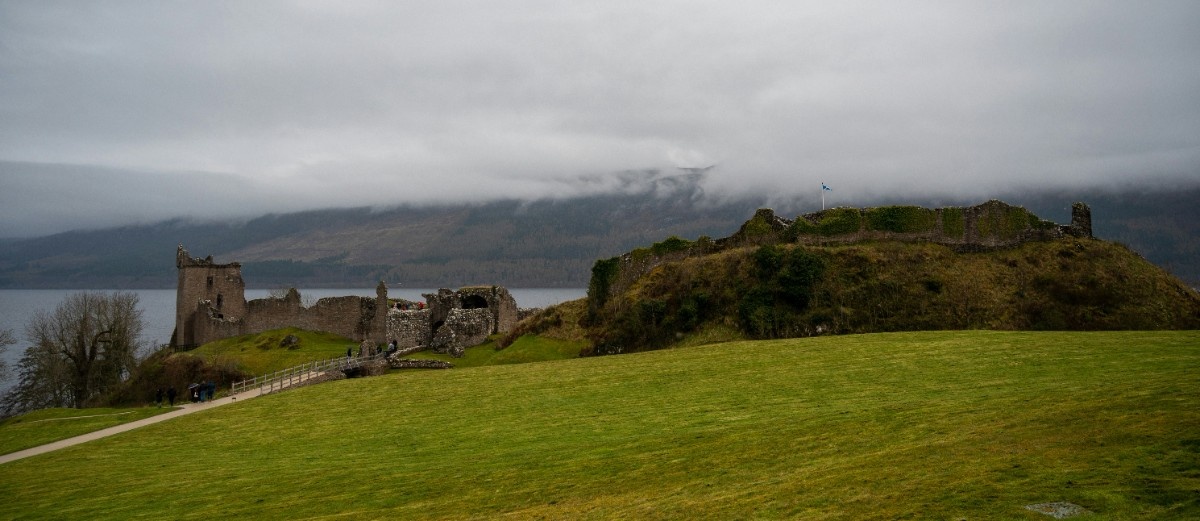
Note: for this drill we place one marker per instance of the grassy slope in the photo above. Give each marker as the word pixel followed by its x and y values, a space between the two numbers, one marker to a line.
pixel 50 425
pixel 261 353
pixel 908 425
pixel 526 349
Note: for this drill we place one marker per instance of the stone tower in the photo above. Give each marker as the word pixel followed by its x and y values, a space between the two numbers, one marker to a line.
pixel 203 283
pixel 1081 221
pixel 379 333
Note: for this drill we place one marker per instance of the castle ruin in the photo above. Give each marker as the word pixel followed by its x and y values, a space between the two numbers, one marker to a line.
pixel 987 226
pixel 990 225
pixel 211 304
pixel 454 320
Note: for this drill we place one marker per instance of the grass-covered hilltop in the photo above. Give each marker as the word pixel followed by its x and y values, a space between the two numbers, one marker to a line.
pixel 898 268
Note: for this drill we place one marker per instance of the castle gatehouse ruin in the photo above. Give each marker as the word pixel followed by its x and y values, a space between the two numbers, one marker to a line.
pixel 211 304
pixel 454 320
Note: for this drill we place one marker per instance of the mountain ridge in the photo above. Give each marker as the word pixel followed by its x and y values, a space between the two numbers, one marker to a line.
pixel 544 243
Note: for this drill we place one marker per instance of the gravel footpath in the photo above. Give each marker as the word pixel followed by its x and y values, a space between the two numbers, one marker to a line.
pixel 188 408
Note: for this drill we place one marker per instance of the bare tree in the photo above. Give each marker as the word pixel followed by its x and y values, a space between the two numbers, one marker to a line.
pixel 83 349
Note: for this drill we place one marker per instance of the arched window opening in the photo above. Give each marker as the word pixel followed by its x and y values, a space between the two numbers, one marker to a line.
pixel 474 302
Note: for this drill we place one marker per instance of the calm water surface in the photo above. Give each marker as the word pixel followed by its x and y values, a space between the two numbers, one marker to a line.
pixel 17 307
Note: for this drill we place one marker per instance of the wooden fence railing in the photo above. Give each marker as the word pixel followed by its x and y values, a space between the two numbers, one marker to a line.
pixel 285 378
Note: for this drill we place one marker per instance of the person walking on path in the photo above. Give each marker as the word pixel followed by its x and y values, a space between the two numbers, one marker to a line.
pixel 171 395
pixel 158 398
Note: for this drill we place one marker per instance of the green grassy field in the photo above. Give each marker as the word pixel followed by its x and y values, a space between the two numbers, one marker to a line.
pixel 943 425
pixel 261 353
pixel 49 425
pixel 526 349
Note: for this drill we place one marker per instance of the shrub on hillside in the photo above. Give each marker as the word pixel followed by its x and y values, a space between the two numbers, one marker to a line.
pixel 604 274
pixel 799 227
pixel 783 287
pixel 165 369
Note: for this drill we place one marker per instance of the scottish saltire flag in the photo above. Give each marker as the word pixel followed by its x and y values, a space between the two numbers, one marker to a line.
pixel 826 188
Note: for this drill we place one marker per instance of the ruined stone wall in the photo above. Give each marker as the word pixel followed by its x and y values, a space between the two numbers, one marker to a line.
pixel 455 320
pixel 990 225
pixel 463 328
pixel 410 363
pixel 497 300
pixel 472 325
pixel 351 317
pixel 409 328
pixel 439 305
pixel 265 312
pixel 208 325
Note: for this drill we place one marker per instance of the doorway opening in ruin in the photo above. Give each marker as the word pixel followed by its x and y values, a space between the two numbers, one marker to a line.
pixel 474 302
pixel 437 325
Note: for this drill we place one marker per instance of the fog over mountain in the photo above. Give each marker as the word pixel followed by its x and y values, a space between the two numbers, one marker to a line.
pixel 115 113
pixel 517 243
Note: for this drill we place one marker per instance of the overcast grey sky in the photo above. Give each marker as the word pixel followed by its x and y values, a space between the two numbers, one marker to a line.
pixel 114 112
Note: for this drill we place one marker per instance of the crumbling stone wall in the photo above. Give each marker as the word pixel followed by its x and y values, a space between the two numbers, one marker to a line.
pixel 207 325
pixel 350 316
pixel 439 304
pixel 455 320
pixel 211 304
pixel 411 363
pixel 990 225
pixel 409 328
pixel 497 300
pixel 462 328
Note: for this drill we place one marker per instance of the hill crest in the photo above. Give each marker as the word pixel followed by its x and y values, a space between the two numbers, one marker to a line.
pixel 773 280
